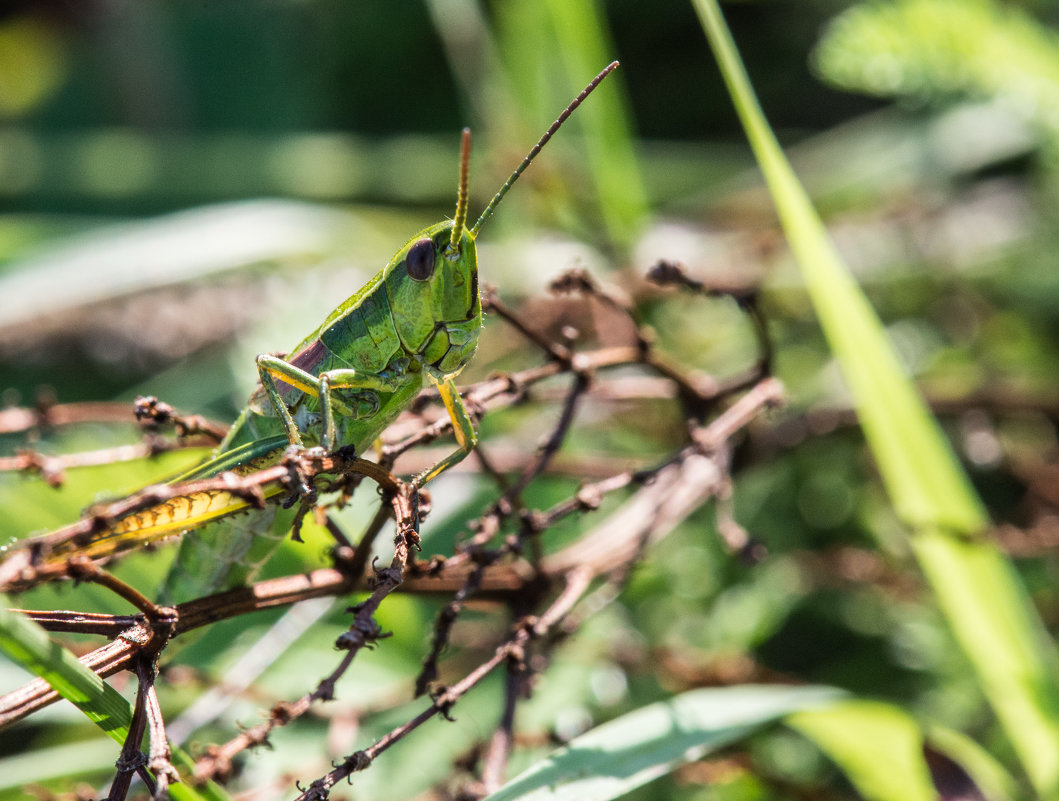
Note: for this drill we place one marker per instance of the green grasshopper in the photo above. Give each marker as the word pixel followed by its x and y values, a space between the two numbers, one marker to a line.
pixel 417 320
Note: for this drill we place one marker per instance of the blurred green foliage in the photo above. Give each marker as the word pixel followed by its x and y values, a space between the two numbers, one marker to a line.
pixel 113 118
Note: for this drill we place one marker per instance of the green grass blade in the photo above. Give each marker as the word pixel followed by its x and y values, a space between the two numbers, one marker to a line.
pixel 625 753
pixel 884 761
pixel 914 458
pixel 985 605
pixel 984 769
pixel 584 47
pixel 30 646
pixel 550 49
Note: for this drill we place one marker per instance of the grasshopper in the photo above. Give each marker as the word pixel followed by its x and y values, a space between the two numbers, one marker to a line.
pixel 416 321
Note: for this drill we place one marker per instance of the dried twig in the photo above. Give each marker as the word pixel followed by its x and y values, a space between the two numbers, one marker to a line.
pixel 443 701
pixel 502 558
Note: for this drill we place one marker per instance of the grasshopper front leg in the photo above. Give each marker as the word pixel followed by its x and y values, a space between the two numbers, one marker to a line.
pixel 462 428
pixel 271 367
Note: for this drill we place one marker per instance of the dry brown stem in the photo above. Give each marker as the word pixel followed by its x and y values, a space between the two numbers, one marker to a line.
pixel 501 559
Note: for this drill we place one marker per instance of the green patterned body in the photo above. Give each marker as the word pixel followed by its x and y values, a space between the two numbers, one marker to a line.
pixel 341 386
pixel 397 332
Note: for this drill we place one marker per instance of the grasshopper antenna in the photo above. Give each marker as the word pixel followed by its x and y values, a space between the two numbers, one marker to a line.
pixel 461 197
pixel 577 101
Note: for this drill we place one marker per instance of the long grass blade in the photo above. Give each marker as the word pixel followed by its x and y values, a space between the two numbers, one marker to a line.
pixel 30 646
pixel 617 757
pixel 986 606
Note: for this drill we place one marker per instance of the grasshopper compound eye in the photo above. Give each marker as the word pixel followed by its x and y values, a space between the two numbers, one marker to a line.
pixel 420 260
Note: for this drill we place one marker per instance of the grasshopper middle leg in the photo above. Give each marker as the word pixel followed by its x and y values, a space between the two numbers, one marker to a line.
pixel 322 386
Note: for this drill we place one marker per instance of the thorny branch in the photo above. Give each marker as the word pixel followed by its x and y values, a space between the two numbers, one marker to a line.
pixel 513 648
pixel 46 557
pixel 502 558
pixel 364 632
pixel 152 414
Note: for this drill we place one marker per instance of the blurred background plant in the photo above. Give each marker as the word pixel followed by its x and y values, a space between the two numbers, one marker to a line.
pixel 183 186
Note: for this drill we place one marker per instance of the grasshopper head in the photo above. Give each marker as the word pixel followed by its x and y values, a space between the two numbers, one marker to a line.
pixel 432 282
pixel 433 287
pixel 443 279
pixel 433 293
